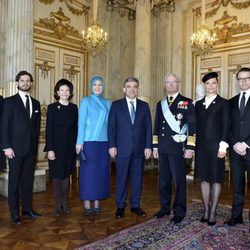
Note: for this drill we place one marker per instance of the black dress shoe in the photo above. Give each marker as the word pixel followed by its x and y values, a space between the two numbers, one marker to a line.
pixel 119 213
pixel 31 214
pixel 203 220
pixel 176 219
pixel 233 221
pixel 161 213
pixel 211 223
pixel 16 220
pixel 138 211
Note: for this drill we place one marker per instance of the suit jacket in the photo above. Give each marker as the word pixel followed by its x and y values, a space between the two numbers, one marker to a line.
pixel 20 132
pixel 129 139
pixel 240 125
pixel 183 110
pixel 213 123
pixel 2 156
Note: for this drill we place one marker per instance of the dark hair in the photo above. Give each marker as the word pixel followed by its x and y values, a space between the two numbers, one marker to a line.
pixel 23 73
pixel 244 69
pixel 60 83
pixel 131 79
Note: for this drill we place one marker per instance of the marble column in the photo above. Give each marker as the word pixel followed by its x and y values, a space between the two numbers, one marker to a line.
pixel 3 21
pixel 143 48
pixel 19 38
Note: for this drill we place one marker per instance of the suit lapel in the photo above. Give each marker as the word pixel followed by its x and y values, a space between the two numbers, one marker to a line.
pixel 247 108
pixel 21 106
pixel 126 110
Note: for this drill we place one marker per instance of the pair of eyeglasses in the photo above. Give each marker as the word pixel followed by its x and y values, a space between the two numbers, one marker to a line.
pixel 245 79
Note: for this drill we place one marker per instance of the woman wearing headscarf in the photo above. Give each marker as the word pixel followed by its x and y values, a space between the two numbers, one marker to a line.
pixel 61 133
pixel 212 115
pixel 93 142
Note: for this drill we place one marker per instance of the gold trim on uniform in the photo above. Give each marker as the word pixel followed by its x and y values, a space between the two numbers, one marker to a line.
pixel 155 139
pixel 191 140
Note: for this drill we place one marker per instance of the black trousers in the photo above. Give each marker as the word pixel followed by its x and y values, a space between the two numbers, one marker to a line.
pixel 21 180
pixel 173 167
pixel 239 166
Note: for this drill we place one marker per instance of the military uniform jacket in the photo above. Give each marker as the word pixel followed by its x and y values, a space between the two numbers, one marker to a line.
pixel 182 109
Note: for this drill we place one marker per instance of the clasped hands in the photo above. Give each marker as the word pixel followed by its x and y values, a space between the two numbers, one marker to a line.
pixel 240 148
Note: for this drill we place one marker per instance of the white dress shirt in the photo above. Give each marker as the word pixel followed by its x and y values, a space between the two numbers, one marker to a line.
pixel 129 104
pixel 24 98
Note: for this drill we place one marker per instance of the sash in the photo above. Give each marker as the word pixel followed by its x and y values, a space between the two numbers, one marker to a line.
pixel 173 123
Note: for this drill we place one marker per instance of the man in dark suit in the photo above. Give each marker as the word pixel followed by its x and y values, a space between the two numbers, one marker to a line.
pixel 130 141
pixel 173 143
pixel 240 144
pixel 20 132
pixel 2 156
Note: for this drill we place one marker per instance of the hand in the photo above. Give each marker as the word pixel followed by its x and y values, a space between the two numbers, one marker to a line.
pixel 113 152
pixel 240 148
pixel 188 154
pixel 51 155
pixel 9 152
pixel 156 153
pixel 147 153
pixel 221 154
pixel 79 147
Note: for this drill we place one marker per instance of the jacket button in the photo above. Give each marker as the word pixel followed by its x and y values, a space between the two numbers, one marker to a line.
pixel 163 121
pixel 163 128
pixel 162 134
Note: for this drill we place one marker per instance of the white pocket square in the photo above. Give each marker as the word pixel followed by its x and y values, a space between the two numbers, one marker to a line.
pixel 36 111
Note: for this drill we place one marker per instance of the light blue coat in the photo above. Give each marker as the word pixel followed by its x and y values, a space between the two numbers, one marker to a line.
pixel 93 118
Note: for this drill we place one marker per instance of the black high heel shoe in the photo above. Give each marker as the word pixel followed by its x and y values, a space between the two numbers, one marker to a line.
pixel 203 220
pixel 211 223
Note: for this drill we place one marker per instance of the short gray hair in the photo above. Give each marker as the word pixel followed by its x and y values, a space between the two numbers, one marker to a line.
pixel 172 74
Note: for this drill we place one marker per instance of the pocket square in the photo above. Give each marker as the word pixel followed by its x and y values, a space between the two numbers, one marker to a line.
pixel 36 111
pixel 82 158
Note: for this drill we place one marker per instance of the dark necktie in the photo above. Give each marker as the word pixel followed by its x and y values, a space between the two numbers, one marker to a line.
pixel 242 103
pixel 170 100
pixel 27 105
pixel 132 112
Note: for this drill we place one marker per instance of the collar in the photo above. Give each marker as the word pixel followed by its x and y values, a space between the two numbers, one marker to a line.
pixel 174 96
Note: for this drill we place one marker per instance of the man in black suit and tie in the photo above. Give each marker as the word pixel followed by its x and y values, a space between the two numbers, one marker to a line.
pixel 240 144
pixel 130 141
pixel 173 143
pixel 20 133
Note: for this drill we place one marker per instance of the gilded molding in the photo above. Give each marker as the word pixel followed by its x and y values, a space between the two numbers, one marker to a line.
pixel 46 1
pixel 226 33
pixel 59 24
pixel 235 4
pixel 75 11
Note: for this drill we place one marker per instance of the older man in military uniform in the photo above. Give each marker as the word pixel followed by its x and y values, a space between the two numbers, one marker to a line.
pixel 173 142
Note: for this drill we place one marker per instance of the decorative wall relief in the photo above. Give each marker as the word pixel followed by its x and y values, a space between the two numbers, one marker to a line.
pixel 226 33
pixel 77 11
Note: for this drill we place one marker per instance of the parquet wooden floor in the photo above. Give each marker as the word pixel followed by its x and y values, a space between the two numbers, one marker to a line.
pixel 69 232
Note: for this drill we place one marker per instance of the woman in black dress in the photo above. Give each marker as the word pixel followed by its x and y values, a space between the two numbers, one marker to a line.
pixel 61 133
pixel 212 114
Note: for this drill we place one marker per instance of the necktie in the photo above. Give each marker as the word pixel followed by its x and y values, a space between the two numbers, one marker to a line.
pixel 27 105
pixel 242 103
pixel 170 100
pixel 132 112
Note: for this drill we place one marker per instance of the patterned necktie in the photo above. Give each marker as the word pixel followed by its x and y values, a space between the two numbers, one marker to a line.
pixel 132 112
pixel 170 100
pixel 27 105
pixel 242 103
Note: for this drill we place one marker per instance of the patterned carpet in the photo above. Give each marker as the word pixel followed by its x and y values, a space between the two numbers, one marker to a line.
pixel 189 234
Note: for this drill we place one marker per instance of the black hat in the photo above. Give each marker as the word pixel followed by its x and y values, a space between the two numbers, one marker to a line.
pixel 208 76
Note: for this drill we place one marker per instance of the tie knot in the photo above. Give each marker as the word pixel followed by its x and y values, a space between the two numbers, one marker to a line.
pixel 27 96
pixel 132 102
pixel 244 93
